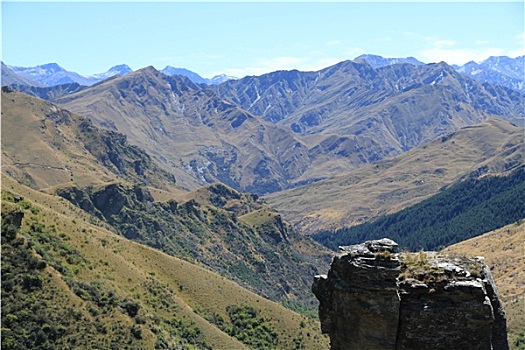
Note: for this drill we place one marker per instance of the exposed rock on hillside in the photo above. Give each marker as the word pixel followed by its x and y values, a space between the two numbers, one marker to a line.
pixel 287 128
pixel 377 298
pixel 231 233
pixel 194 134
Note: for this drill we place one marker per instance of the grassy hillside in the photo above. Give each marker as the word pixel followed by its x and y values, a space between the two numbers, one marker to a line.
pixel 465 210
pixel 78 285
pixel 212 226
pixel 52 149
pixel 503 250
pixel 45 146
pixel 492 147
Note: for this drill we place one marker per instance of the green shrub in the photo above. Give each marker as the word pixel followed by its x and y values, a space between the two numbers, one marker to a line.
pixel 250 328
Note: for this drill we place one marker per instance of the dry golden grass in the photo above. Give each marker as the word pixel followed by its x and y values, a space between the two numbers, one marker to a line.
pixel 258 217
pixel 390 185
pixel 163 195
pixel 127 268
pixel 43 152
pixel 504 252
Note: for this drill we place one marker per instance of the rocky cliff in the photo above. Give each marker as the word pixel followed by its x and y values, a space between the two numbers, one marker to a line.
pixel 375 297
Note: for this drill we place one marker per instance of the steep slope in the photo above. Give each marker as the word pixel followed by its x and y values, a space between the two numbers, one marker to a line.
pixel 69 283
pixel 490 147
pixel 503 252
pixel 464 210
pixel 44 146
pixel 193 133
pixel 231 233
pixel 59 152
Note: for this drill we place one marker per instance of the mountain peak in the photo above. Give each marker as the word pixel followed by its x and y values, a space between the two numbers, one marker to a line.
pixel 194 77
pixel 221 78
pixel 121 69
pixel 148 69
pixel 377 61
pixel 52 67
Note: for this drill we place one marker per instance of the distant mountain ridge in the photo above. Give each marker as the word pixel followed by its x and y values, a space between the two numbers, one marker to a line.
pixel 499 70
pixel 51 74
pixel 121 69
pixel 9 77
pixel 196 78
pixel 379 61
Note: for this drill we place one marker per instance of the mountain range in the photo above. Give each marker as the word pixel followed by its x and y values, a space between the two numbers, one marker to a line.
pixel 287 128
pixel 90 171
pixel 196 78
pixel 51 74
pixel 499 70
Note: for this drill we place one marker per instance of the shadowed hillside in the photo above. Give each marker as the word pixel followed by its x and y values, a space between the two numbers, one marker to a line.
pixel 44 145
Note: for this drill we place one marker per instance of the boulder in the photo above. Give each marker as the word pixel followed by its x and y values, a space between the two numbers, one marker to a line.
pixel 375 297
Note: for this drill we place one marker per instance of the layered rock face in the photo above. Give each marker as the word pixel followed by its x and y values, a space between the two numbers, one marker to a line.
pixel 377 298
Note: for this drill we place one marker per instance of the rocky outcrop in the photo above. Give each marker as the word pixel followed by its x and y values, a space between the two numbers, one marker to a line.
pixel 377 298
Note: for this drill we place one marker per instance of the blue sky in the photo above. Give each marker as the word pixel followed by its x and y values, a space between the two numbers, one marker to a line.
pixel 249 38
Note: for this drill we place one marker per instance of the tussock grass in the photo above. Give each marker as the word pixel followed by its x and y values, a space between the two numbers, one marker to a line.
pixel 163 285
pixel 504 252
